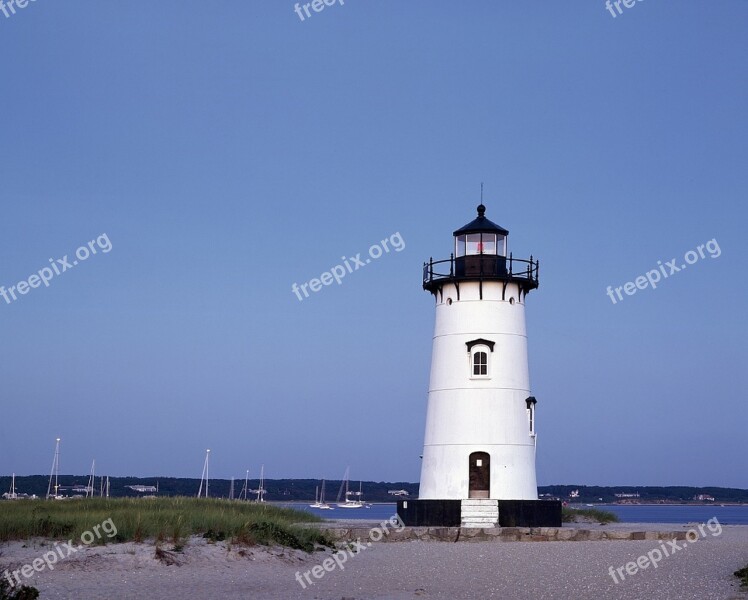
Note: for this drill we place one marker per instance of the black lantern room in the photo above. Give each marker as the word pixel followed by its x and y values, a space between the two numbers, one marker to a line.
pixel 480 247
pixel 480 254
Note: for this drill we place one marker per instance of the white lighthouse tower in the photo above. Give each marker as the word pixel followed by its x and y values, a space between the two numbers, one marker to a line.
pixel 479 447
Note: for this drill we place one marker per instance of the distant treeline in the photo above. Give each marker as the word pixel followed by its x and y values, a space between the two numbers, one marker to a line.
pixel 646 494
pixel 279 490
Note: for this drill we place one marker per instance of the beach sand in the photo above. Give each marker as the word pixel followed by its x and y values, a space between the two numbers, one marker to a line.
pixel 396 571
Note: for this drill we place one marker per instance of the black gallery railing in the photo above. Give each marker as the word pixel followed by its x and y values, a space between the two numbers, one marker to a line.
pixel 479 266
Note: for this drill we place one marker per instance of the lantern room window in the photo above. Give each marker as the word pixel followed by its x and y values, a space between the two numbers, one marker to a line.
pixel 474 244
pixel 488 244
pixel 501 245
pixel 460 245
pixel 480 243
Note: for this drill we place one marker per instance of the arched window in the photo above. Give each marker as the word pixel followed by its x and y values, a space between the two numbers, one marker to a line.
pixel 479 352
pixel 480 363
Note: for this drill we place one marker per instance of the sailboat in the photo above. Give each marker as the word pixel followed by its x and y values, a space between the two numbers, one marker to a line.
pixel 55 473
pixel 316 498
pixel 261 491
pixel 12 495
pixel 319 501
pixel 205 477
pixel 91 481
pixel 349 503
pixel 245 489
pixel 322 504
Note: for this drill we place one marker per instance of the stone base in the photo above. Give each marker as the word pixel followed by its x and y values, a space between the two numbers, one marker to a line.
pixel 448 513
pixel 501 534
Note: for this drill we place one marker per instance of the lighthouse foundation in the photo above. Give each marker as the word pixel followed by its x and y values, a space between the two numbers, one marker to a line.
pixel 478 513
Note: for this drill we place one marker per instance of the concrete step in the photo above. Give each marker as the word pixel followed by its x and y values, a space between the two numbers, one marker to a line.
pixel 478 524
pixel 479 513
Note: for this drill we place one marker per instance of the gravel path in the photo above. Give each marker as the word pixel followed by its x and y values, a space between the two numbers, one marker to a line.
pixel 400 571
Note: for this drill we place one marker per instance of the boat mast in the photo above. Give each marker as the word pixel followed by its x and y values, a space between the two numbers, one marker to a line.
pixel 261 489
pixel 55 470
pixel 91 480
pixel 205 476
pixel 344 483
pixel 245 488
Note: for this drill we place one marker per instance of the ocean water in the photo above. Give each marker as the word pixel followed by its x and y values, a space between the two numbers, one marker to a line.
pixel 677 513
pixel 627 513
pixel 377 512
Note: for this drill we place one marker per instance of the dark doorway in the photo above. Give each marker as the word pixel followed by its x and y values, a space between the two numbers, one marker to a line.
pixel 480 475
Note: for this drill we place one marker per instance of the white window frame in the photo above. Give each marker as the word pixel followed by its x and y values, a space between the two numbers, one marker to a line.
pixel 531 418
pixel 475 350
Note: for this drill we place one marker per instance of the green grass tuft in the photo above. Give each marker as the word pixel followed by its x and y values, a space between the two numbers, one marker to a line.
pixel 174 519
pixel 572 515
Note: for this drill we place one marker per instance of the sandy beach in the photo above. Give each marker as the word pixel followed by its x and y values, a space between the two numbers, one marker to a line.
pixel 395 570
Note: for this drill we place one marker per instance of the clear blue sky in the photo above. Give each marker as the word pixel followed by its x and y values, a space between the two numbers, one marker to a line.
pixel 229 150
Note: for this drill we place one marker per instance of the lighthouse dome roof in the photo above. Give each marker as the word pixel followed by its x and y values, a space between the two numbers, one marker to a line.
pixel 481 225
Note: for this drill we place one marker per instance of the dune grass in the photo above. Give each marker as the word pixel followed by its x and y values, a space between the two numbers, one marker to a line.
pixel 159 519
pixel 573 515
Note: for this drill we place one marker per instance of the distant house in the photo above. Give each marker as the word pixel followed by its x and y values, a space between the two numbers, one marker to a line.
pixel 704 498
pixel 14 496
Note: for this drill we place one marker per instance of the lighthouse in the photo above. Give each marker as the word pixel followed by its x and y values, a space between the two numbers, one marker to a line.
pixel 478 463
